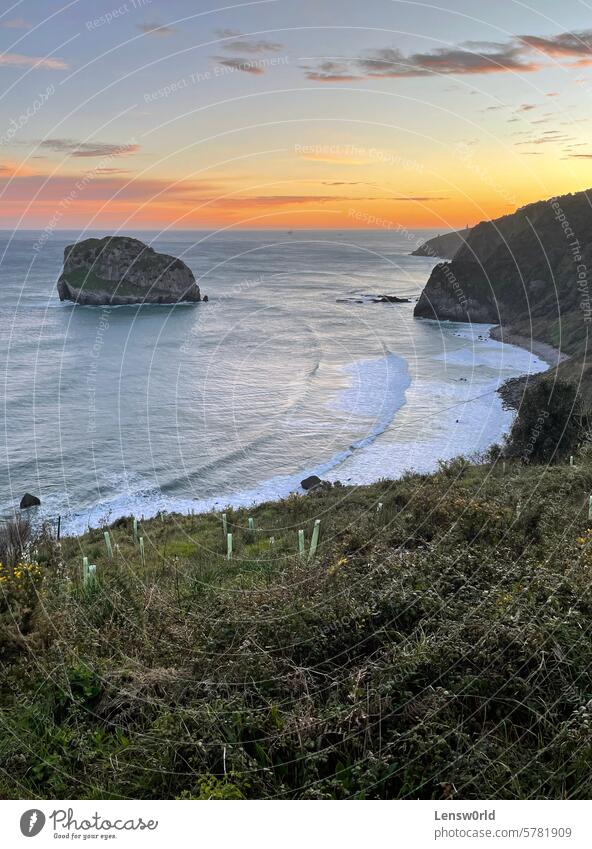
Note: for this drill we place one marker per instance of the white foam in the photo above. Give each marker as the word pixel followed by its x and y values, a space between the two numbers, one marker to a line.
pixel 463 417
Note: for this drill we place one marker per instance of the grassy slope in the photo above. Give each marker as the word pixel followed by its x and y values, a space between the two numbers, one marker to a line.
pixel 440 647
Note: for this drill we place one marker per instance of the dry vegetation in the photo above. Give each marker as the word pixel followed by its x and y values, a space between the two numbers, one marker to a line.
pixel 437 648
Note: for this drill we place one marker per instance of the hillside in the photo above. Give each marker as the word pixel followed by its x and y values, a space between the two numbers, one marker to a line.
pixel 445 245
pixel 527 272
pixel 436 648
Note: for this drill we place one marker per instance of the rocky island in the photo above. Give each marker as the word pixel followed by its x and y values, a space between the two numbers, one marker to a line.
pixel 119 270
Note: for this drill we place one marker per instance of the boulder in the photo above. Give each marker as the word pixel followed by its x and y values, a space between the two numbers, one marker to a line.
pixel 310 482
pixel 29 500
pixel 120 270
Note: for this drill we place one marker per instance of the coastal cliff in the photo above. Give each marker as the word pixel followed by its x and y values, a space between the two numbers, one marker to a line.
pixel 444 246
pixel 526 272
pixel 120 270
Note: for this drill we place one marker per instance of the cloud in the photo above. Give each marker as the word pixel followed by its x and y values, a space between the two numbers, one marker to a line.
pixel 15 23
pixel 50 189
pixel 88 149
pixel 17 60
pixel 244 45
pixel 332 72
pixel 156 29
pixel 390 62
pixel 290 200
pixel 248 66
pixel 548 137
pixel 526 107
pixel 235 42
pixel 576 44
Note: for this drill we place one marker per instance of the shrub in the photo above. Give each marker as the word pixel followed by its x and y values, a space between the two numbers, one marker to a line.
pixel 547 425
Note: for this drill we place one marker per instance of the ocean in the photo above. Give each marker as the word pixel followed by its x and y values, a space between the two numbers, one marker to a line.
pixel 290 369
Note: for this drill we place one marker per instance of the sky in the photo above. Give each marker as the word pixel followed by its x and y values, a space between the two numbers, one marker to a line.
pixel 288 114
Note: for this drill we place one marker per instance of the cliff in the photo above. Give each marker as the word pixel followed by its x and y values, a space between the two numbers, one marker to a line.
pixel 120 270
pixel 526 271
pixel 444 246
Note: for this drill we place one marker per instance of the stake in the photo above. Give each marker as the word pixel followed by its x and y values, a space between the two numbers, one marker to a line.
pixel 108 544
pixel 301 543
pixel 141 541
pixel 224 524
pixel 229 546
pixel 135 529
pixel 59 526
pixel 315 539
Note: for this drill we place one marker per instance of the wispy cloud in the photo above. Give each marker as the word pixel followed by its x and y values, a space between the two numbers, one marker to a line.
pixel 471 57
pixel 88 149
pixel 245 45
pixel 390 62
pixel 332 72
pixel 17 60
pixel 238 63
pixel 235 42
pixel 243 49
pixel 156 29
pixel 578 44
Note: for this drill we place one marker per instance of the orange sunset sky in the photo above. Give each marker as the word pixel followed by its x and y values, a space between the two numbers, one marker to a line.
pixel 284 114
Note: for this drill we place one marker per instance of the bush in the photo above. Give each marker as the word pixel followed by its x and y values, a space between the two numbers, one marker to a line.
pixel 547 427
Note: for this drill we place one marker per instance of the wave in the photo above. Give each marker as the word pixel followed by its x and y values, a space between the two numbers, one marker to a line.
pixel 376 392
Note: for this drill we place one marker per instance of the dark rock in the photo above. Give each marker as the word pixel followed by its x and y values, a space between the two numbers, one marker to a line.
pixel 29 500
pixel 390 299
pixel 521 271
pixel 310 482
pixel 120 270
pixel 205 299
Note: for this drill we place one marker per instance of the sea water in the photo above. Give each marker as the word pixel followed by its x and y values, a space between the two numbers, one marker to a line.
pixel 291 368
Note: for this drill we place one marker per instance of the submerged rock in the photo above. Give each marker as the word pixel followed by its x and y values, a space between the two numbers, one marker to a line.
pixel 120 270
pixel 29 500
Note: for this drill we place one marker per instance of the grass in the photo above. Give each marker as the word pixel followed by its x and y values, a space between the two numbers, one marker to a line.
pixel 437 649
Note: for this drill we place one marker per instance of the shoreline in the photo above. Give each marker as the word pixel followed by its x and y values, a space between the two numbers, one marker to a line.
pixel 279 487
pixel 552 356
pixel 512 390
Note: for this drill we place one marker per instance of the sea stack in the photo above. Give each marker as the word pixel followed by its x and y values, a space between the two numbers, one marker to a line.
pixel 119 270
